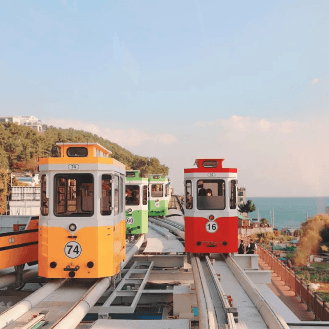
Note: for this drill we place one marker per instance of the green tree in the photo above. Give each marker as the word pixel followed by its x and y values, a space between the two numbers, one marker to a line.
pixel 4 181
pixel 247 207
pixel 264 221
pixel 21 146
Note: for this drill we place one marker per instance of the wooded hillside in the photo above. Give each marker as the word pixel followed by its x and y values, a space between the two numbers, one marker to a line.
pixel 21 146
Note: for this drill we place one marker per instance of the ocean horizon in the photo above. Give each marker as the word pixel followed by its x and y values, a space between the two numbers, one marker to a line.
pixel 288 211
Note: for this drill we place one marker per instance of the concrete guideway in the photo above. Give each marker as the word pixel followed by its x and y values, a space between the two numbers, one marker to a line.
pixel 65 301
pixel 212 303
pixel 268 316
pixel 171 282
pixel 141 324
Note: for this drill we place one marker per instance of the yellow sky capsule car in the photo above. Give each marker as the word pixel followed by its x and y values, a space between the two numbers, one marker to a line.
pixel 82 223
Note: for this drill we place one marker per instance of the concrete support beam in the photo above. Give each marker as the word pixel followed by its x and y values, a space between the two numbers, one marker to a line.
pixel 246 261
pixel 259 276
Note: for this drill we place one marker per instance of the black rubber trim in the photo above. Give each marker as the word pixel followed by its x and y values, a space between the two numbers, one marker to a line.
pixel 34 218
pixel 19 245
pixel 18 232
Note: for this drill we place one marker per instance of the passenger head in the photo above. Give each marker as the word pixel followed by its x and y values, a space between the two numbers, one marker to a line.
pixel 241 241
pixel 209 192
pixel 202 192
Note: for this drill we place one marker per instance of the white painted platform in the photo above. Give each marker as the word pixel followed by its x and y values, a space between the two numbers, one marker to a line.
pixel 249 316
pixel 141 324
pixel 158 243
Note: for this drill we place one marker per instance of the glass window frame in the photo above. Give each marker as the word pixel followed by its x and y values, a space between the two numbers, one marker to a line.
pixel 122 206
pixel 210 164
pixel 188 181
pixel 44 200
pixel 116 194
pixel 76 156
pixel 205 180
pixel 106 212
pixel 233 194
pixel 135 186
pixel 72 176
pixel 145 190
pixel 157 196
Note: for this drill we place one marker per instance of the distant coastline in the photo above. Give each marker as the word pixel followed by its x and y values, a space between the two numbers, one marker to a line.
pixel 288 211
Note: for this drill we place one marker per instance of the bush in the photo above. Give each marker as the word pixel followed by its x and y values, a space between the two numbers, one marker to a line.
pixel 309 242
pixel 321 266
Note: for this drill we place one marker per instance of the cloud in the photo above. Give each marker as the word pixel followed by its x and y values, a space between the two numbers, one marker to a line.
pixel 126 137
pixel 313 82
pixel 274 158
pixel 247 124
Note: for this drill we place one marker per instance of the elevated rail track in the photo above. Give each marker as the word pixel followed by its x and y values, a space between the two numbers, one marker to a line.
pixel 219 302
pixel 60 304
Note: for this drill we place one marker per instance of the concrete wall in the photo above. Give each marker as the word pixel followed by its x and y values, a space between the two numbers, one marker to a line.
pixel 23 208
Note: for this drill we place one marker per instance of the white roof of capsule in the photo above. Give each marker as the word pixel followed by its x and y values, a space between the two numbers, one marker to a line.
pixel 102 147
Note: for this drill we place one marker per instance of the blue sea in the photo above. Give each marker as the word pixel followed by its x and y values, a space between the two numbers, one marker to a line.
pixel 288 212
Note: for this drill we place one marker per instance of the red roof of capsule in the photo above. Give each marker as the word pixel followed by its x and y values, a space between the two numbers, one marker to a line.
pixel 201 168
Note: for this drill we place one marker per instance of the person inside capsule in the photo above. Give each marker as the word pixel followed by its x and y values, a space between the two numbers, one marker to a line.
pixel 136 198
pixel 202 191
pixel 209 192
pixel 189 201
pixel 128 195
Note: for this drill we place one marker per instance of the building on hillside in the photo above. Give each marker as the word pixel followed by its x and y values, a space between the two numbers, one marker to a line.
pixel 27 178
pixel 12 119
pixel 27 120
pixel 33 122
pixel 241 195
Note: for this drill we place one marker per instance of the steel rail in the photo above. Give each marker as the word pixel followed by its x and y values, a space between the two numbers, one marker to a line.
pixel 175 230
pixel 212 320
pixel 223 297
pixel 200 296
pixel 75 316
pixel 180 204
pixel 227 309
pixel 29 302
pixel 207 317
pixel 173 223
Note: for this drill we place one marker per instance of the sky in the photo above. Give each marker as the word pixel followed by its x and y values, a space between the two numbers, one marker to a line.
pixel 246 81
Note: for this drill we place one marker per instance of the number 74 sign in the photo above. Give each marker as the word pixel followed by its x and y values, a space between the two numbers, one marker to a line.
pixel 72 249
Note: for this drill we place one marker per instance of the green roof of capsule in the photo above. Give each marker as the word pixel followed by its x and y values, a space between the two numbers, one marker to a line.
pixel 156 178
pixel 133 175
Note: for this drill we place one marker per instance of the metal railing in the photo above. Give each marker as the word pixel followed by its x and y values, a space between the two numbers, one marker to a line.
pixel 313 301
pixel 175 203
pixel 25 193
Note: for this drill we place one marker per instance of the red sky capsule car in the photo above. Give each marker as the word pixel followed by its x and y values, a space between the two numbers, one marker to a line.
pixel 211 217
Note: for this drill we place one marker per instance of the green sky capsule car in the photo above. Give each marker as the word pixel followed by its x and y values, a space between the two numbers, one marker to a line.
pixel 136 203
pixel 159 195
